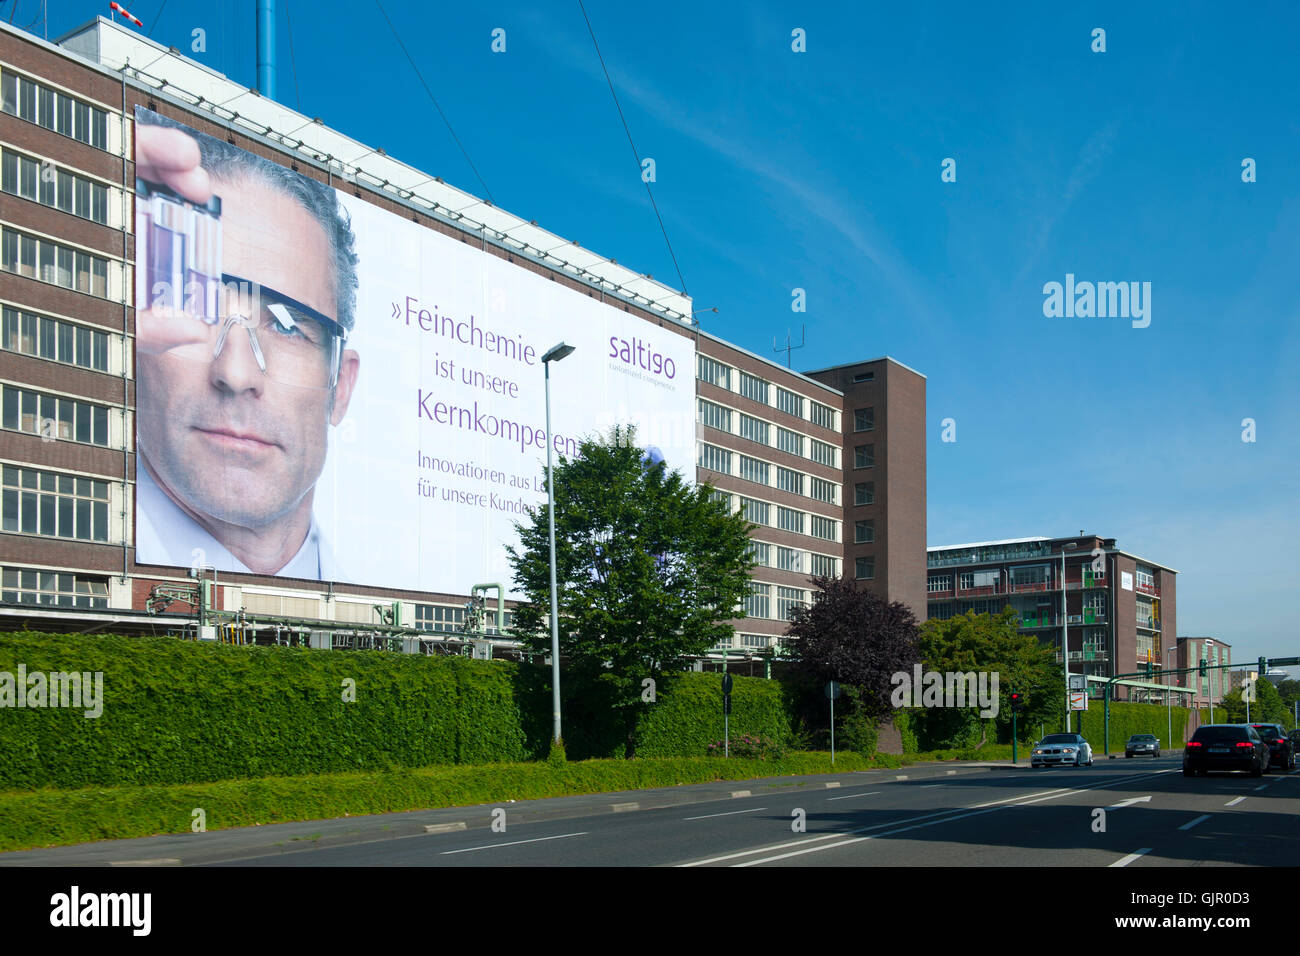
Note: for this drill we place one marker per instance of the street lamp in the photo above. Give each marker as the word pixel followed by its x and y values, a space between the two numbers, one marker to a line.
pixel 1065 635
pixel 557 353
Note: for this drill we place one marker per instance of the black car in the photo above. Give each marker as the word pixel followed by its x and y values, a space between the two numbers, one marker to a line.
pixel 1142 744
pixel 1225 747
pixel 1281 750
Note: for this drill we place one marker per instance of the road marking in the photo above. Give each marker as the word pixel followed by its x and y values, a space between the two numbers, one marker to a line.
pixel 1260 787
pixel 831 784
pixel 950 772
pixel 493 846
pixel 902 776
pixel 1125 861
pixel 162 861
pixel 931 786
pixel 1191 823
pixel 947 816
pixel 444 827
pixel 854 796
pixel 1129 803
pixel 625 807
pixel 1233 803
pixel 740 793
pixel 729 813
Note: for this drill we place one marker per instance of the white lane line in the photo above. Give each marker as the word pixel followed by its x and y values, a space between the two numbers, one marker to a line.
pixel 736 794
pixel 729 813
pixel 444 827
pixel 1191 823
pixel 1125 861
pixel 831 784
pixel 1233 803
pixel 161 861
pixel 931 786
pixel 854 796
pixel 1260 787
pixel 493 846
pixel 946 814
pixel 901 776
pixel 625 807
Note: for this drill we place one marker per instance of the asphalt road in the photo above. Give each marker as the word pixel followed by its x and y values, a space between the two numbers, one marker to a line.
pixel 927 815
pixel 991 817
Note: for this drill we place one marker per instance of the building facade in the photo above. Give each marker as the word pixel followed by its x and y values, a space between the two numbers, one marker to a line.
pixel 1211 687
pixel 780 446
pixel 1119 614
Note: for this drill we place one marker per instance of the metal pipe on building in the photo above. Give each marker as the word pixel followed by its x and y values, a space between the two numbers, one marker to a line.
pixel 266 48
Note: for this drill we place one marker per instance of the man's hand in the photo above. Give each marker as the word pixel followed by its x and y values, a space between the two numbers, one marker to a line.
pixel 170 157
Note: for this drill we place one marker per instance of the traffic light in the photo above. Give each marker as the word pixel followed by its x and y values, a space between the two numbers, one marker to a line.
pixel 1017 701
pixel 1263 666
pixel 1205 667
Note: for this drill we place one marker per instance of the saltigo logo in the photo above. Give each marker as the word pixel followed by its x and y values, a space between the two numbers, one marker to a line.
pixel 76 909
pixel 642 355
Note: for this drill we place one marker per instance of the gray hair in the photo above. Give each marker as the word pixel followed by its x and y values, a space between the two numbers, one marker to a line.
pixel 227 161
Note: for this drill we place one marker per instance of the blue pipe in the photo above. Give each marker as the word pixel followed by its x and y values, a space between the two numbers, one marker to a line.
pixel 266 48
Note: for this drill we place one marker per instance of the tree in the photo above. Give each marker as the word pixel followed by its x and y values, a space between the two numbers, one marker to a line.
pixel 649 572
pixel 992 644
pixel 852 636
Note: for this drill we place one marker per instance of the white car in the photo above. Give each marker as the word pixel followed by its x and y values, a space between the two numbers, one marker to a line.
pixel 1057 750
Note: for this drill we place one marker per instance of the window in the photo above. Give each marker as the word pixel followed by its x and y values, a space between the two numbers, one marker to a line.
pixel 751 386
pixel 823 528
pixel 787 599
pixel 57 111
pixel 714 372
pixel 938 583
pixel 23 176
pixel 762 552
pixel 714 458
pixel 751 469
pixel 55 505
pixel 864 569
pixel 722 497
pixel 822 565
pixel 824 454
pixel 822 415
pixel 861 377
pixel 715 416
pixel 755 640
pixel 759 601
pixel 759 512
pixel 39 414
pixel 788 479
pixel 434 617
pixel 787 519
pixel 822 490
pixel 37 335
pixel 53 588
pixel 864 532
pixel 864 493
pixel 788 559
pixel 754 429
pixel 787 440
pixel 864 456
pixel 789 402
pixel 20 254
pixel 864 419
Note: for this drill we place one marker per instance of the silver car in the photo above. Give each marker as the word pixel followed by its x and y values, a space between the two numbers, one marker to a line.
pixel 1142 744
pixel 1058 750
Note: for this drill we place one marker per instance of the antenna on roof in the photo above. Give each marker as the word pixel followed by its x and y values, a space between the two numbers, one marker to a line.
pixel 789 346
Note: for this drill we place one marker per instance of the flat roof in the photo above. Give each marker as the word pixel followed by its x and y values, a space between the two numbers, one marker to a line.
pixel 767 361
pixel 883 358
pixel 985 544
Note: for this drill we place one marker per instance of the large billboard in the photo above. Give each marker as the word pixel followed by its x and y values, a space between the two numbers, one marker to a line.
pixel 328 391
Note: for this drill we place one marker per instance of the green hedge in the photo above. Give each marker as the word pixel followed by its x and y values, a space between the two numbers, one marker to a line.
pixel 1127 719
pixel 688 715
pixel 181 712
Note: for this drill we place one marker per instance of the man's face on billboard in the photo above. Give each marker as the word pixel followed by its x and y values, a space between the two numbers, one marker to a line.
pixel 228 441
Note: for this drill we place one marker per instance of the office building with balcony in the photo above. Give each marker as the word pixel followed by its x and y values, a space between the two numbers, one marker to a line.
pixel 1119 610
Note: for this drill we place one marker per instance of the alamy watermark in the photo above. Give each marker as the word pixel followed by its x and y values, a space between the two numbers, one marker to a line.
pixel 78 690
pixel 1084 300
pixel 950 689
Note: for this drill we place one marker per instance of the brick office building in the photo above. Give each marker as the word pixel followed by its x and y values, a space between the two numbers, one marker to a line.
pixel 1120 609
pixel 775 442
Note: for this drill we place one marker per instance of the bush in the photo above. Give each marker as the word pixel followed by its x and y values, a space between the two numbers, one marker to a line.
pixel 688 715
pixel 748 747
pixel 859 733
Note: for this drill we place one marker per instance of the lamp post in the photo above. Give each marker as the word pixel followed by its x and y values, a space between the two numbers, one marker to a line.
pixel 557 353
pixel 1065 635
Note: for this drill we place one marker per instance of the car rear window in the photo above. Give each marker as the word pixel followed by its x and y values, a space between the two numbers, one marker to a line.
pixel 1204 734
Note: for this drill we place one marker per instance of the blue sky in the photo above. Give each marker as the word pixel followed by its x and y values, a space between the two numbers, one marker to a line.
pixel 821 170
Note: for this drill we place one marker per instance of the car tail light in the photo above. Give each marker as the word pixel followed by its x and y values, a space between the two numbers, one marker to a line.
pixel 1193 743
pixel 1245 743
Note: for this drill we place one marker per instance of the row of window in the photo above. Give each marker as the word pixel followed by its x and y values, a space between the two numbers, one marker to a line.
pixel 55 505
pixel 437 617
pixel 35 258
pixel 47 338
pixel 759 390
pixel 52 417
pixel 53 588
pixel 50 186
pixel 761 472
pixel 787 519
pixel 758 603
pixel 792 559
pixel 38 103
pixel 756 430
